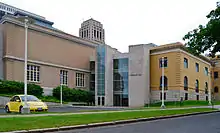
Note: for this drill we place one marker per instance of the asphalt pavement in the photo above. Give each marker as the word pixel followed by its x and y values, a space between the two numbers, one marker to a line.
pixel 208 123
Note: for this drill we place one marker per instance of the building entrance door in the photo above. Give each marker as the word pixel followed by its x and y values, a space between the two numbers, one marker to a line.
pixel 101 100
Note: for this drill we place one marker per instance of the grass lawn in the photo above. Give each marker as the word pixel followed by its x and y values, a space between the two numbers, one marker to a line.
pixel 22 123
pixel 184 104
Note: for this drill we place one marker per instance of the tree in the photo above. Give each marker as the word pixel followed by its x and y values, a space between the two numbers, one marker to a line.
pixel 205 37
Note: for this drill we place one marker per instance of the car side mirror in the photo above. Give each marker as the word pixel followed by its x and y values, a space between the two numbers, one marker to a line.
pixel 18 101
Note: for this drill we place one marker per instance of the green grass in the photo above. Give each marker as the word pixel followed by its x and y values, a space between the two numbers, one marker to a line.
pixel 24 123
pixel 184 104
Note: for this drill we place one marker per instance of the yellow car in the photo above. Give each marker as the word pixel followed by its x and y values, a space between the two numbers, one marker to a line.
pixel 16 104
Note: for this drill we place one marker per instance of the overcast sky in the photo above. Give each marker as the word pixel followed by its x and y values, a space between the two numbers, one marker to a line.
pixel 126 22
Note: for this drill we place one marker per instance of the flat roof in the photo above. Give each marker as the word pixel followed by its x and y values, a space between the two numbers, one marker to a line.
pixel 22 10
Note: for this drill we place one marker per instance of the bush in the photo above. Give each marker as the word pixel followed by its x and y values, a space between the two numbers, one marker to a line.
pixel 14 87
pixel 73 95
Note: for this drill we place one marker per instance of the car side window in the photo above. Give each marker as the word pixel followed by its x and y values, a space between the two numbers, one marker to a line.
pixel 12 99
pixel 16 98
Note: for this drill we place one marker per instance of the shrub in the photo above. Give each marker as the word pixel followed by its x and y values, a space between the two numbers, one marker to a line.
pixel 14 87
pixel 73 95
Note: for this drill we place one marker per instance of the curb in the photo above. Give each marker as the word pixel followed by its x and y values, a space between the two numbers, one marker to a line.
pixel 109 123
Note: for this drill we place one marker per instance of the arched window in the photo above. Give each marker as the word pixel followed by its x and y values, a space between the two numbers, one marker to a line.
pixel 216 89
pixel 185 83
pixel 197 86
pixel 206 88
pixel 165 82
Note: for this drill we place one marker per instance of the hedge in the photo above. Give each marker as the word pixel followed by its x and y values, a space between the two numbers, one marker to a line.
pixel 14 87
pixel 73 95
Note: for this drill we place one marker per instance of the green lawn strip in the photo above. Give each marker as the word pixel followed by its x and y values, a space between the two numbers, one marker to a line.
pixel 188 103
pixel 24 123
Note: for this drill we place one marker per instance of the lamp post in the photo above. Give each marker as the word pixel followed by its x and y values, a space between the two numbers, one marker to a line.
pixel 209 91
pixel 26 22
pixel 61 89
pixel 162 104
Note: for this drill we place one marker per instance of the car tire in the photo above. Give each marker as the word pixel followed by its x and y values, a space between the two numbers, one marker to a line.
pixel 21 109
pixel 7 110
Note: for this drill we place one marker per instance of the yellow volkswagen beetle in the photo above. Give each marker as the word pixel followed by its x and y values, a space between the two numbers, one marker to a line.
pixel 16 104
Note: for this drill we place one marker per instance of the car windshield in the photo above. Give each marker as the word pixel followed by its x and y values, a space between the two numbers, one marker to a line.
pixel 30 98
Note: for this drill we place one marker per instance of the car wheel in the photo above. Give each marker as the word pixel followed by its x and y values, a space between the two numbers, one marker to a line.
pixel 7 110
pixel 21 109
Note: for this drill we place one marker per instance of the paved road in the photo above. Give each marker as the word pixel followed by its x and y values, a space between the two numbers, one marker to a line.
pixel 71 109
pixel 209 123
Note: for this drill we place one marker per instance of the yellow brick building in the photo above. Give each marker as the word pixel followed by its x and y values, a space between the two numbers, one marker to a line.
pixel 216 78
pixel 186 76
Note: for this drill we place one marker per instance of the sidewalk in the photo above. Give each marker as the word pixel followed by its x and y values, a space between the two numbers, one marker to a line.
pixel 59 114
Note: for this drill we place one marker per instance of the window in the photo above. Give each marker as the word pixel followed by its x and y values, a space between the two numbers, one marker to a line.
pixel 103 101
pixel 64 77
pixel 206 71
pixel 206 98
pixel 197 67
pixel 165 63
pixel 216 89
pixel 14 99
pixel 186 96
pixel 33 73
pixel 197 97
pixel 206 88
pixel 80 80
pixel 99 100
pixel 95 33
pixel 185 83
pixel 197 86
pixel 215 75
pixel 185 63
pixel 165 82
pixel 164 96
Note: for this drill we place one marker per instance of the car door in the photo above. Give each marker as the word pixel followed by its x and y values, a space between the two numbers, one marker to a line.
pixel 11 104
pixel 17 103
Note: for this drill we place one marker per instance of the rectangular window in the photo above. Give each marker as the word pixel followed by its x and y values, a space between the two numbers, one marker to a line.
pixel 99 100
pixel 80 80
pixel 197 67
pixel 197 97
pixel 64 77
pixel 33 73
pixel 206 98
pixel 215 75
pixel 164 96
pixel 186 96
pixel 185 63
pixel 206 71
pixel 103 101
pixel 163 63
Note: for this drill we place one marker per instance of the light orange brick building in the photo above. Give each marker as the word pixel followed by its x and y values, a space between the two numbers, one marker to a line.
pixel 50 53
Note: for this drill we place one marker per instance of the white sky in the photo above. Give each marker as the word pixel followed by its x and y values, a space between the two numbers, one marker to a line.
pixel 126 22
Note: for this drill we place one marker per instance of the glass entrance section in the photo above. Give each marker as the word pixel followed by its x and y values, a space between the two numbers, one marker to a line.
pixel 101 74
pixel 120 82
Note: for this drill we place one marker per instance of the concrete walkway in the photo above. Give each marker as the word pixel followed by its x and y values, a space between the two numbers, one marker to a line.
pixel 100 112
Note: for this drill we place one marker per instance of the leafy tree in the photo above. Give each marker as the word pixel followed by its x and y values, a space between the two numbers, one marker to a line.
pixel 205 37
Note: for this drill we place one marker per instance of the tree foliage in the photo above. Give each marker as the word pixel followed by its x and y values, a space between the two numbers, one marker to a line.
pixel 205 37
pixel 73 95
pixel 14 87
